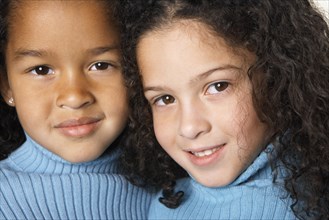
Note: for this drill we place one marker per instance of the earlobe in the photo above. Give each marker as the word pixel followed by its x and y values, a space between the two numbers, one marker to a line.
pixel 7 94
pixel 11 101
pixel 8 97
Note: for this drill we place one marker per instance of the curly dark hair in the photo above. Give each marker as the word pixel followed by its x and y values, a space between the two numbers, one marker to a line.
pixel 11 132
pixel 290 79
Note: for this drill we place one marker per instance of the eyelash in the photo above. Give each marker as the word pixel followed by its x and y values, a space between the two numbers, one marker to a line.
pixel 34 70
pixel 49 71
pixel 163 99
pixel 222 85
pixel 108 65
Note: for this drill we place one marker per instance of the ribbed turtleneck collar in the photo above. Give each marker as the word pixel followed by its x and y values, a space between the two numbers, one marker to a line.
pixel 33 158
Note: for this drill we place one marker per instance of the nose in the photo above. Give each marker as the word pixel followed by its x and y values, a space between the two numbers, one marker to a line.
pixel 193 121
pixel 74 92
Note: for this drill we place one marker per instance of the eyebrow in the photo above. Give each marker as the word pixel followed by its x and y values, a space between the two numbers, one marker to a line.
pixel 22 52
pixel 198 77
pixel 209 72
pixel 101 50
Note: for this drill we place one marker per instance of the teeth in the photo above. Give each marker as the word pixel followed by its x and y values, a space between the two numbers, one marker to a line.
pixel 199 154
pixel 206 152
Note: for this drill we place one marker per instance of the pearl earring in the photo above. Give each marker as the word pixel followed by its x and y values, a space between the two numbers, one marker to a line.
pixel 11 100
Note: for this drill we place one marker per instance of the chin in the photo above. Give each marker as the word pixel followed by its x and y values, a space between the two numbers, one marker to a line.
pixel 82 158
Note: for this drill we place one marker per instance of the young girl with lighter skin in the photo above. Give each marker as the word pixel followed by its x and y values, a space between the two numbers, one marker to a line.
pixel 63 112
pixel 236 93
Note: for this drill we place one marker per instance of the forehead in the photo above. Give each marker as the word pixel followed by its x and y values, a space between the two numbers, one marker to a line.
pixel 188 42
pixel 19 9
pixel 45 24
pixel 30 15
pixel 196 32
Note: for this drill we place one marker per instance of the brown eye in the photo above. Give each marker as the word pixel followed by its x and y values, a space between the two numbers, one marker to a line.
pixel 165 100
pixel 100 66
pixel 42 70
pixel 220 86
pixel 217 87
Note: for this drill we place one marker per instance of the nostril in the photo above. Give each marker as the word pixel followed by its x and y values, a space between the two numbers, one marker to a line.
pixel 75 106
pixel 75 99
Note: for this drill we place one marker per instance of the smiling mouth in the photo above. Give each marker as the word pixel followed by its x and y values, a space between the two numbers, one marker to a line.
pixel 207 152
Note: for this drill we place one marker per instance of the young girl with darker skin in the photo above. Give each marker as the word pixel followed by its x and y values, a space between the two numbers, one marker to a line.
pixel 63 113
pixel 235 93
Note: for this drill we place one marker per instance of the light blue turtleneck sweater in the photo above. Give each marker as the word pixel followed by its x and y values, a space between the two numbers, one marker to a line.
pixel 251 196
pixel 37 184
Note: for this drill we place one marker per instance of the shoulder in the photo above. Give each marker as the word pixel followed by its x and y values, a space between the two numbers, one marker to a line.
pixel 7 165
pixel 44 196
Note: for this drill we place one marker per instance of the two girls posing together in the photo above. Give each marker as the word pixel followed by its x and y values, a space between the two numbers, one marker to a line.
pixel 227 109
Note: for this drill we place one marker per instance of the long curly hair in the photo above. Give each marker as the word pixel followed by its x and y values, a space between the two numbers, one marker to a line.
pixel 290 79
pixel 11 132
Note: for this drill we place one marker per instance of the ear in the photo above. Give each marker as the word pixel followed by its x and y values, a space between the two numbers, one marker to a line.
pixel 6 91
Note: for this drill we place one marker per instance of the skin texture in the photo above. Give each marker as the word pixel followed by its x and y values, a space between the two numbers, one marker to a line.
pixel 64 75
pixel 201 101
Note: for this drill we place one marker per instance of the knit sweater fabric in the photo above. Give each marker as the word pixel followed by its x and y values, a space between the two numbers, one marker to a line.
pixel 253 195
pixel 37 184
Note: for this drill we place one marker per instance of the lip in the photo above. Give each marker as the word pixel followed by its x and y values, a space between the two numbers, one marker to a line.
pixel 207 159
pixel 79 127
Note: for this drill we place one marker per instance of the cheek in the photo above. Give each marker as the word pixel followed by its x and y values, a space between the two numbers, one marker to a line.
pixel 158 127
pixel 112 97
pixel 252 132
pixel 32 115
pixel 162 130
pixel 117 103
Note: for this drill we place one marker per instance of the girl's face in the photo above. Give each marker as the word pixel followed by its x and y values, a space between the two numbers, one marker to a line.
pixel 64 73
pixel 201 101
